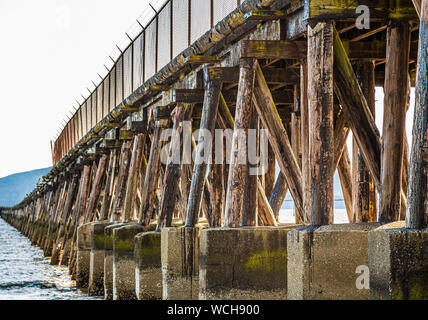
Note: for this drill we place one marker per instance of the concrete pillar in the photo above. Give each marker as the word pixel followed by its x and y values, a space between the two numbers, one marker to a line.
pixel 96 269
pixel 123 261
pixel 180 268
pixel 244 263
pixel 108 260
pixel 148 272
pixel 398 262
pixel 83 255
pixel 329 262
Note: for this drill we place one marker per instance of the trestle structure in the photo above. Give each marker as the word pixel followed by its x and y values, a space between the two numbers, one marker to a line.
pixel 138 211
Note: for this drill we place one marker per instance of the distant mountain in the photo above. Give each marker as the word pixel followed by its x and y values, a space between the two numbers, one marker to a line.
pixel 15 187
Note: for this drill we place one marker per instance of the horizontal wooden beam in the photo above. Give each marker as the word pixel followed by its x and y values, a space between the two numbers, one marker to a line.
pixel 346 10
pixel 278 49
pixel 265 15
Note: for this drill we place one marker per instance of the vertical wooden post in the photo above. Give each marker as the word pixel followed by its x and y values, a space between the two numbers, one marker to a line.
pixel 249 200
pixel 304 127
pixel 71 195
pixel 131 185
pixel 170 185
pixel 271 172
pixel 217 183
pixel 296 135
pixel 120 188
pixel 239 156
pixel 397 62
pixel 320 107
pixel 151 179
pixel 83 197
pixel 363 190
pixel 345 176
pixel 417 210
pixel 208 119
pixel 96 189
pixel 278 194
pixel 108 186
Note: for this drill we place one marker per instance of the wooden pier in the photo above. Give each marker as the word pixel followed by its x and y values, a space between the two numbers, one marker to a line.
pixel 206 227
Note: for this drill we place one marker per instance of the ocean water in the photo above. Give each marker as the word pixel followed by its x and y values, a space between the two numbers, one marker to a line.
pixel 25 274
pixel 287 216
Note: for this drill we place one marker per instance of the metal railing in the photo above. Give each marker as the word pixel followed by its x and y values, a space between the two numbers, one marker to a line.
pixel 163 31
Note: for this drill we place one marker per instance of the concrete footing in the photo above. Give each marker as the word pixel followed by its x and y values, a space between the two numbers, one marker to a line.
pixel 180 267
pixel 148 272
pixel 83 257
pixel 244 263
pixel 398 263
pixel 96 269
pixel 123 261
pixel 108 260
pixel 329 262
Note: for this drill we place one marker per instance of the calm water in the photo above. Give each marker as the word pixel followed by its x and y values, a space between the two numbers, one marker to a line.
pixel 26 275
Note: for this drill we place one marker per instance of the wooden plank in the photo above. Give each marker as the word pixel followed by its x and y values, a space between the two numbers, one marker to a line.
pixel 278 138
pixel 273 49
pixel 395 103
pixel 416 214
pixel 320 108
pixel 238 173
pixel 265 15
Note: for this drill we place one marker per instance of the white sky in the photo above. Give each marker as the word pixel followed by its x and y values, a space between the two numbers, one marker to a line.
pixel 50 52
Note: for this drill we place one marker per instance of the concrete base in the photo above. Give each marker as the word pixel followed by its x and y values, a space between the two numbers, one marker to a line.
pixel 180 267
pixel 83 257
pixel 123 261
pixel 325 262
pixel 108 260
pixel 398 262
pixel 96 270
pixel 148 272
pixel 244 263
